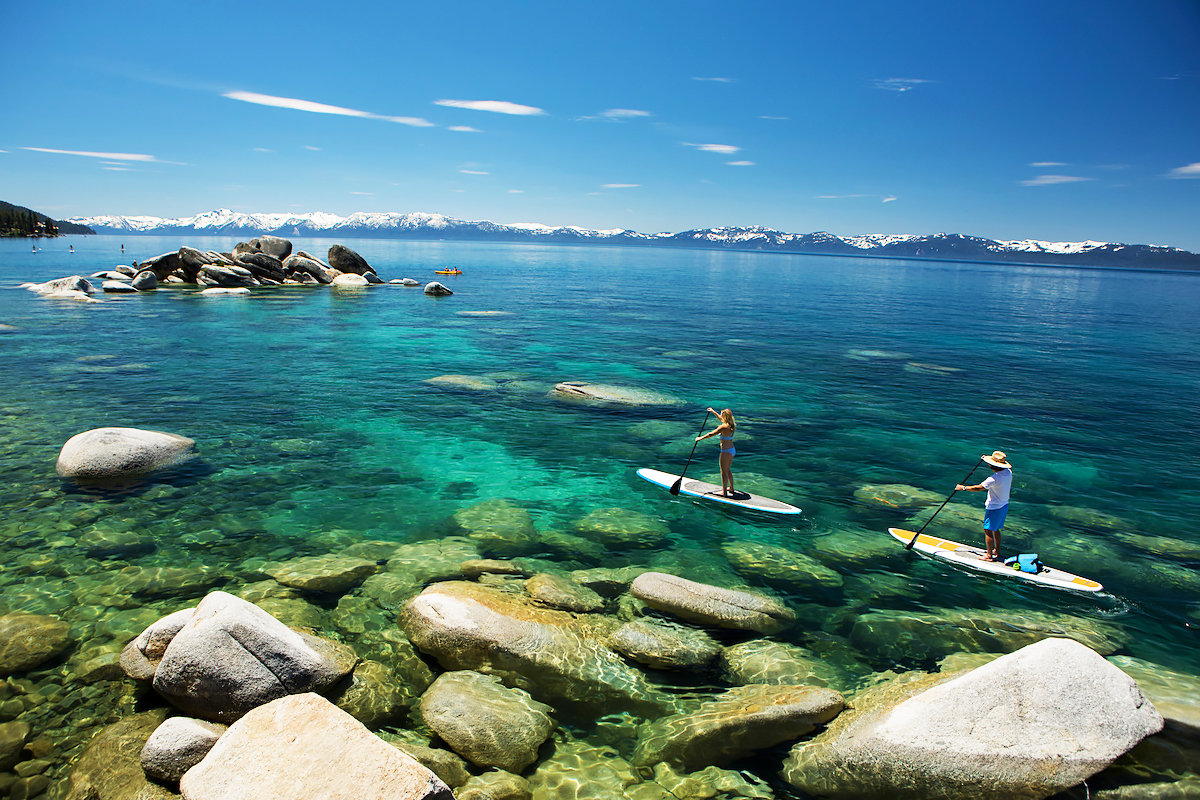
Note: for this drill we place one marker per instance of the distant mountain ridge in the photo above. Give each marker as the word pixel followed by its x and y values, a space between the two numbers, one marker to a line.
pixel 422 226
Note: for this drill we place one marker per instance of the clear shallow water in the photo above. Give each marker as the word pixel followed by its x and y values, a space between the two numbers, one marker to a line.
pixel 313 418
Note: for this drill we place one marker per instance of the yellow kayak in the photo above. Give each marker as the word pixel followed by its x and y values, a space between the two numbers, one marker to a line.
pixel 447 272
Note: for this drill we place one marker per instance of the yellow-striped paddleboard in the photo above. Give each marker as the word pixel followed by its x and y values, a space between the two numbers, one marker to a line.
pixel 965 555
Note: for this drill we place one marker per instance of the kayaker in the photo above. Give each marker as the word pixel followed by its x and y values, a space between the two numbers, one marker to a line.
pixel 996 508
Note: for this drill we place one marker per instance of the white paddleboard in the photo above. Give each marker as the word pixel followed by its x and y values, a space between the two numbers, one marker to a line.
pixel 710 491
pixel 964 555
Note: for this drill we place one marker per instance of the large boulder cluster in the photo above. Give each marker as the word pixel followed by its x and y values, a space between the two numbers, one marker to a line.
pixel 265 261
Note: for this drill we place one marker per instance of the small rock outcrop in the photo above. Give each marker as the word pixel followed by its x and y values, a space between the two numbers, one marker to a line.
pixel 140 657
pixel 304 746
pixel 343 259
pixel 1026 725
pixel 177 745
pixel 711 605
pixel 485 722
pixel 232 656
pixel 117 452
pixel 299 263
pixel 437 290
pixel 74 283
pixel 350 279
pixel 117 287
pixel 145 281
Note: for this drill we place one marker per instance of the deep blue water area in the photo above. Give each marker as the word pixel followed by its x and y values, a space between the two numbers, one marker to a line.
pixel 313 413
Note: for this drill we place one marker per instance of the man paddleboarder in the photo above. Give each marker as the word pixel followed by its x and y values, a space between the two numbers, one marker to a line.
pixel 996 507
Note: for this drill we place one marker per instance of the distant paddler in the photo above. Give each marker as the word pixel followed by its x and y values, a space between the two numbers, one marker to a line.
pixel 995 509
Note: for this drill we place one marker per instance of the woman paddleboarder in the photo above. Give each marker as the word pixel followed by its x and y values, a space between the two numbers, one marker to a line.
pixel 725 430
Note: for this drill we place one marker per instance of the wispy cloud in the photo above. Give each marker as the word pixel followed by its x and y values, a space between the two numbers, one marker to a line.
pixel 263 150
pixel 1190 171
pixel 624 113
pixel 464 129
pixel 365 194
pixel 516 191
pixel 620 186
pixel 726 149
pixel 740 163
pixel 1048 164
pixel 119 169
pixel 471 172
pixel 310 147
pixel 717 80
pixel 496 106
pixel 767 117
pixel 1049 180
pixel 898 84
pixel 885 198
pixel 91 154
pixel 3 151
pixel 321 108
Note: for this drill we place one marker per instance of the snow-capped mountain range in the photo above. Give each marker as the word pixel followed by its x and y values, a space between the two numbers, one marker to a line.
pixel 224 222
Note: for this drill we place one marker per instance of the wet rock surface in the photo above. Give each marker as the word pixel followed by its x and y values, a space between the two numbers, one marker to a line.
pixel 554 655
pixel 485 722
pixel 177 745
pixel 711 605
pixel 735 724
pixel 663 645
pixel 300 744
pixel 1027 725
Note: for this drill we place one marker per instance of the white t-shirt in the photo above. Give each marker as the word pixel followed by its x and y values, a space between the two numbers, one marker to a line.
pixel 998 486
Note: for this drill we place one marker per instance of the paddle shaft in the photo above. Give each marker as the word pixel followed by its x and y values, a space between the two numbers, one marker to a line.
pixel 675 486
pixel 943 505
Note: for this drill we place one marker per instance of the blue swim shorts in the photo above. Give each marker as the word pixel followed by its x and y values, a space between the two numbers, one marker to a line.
pixel 993 518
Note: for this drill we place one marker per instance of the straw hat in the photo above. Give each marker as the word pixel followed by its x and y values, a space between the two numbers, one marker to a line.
pixel 997 459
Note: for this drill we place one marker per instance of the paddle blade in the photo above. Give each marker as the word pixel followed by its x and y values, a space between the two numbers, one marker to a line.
pixel 675 486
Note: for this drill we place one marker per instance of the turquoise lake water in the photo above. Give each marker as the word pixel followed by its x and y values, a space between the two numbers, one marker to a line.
pixel 313 415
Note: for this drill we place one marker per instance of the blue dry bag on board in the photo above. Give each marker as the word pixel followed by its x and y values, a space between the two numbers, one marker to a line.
pixel 1026 562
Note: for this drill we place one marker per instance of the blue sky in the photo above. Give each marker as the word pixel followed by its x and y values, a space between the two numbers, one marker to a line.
pixel 1050 120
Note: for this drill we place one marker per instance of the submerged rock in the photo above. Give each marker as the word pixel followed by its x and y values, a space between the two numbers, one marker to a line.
pixel 1176 695
pixel 662 645
pixel 711 605
pixel 554 655
pixel 909 637
pixel 498 527
pixel 495 785
pixel 620 528
pixel 563 593
pixel 1026 725
pixel 305 747
pixel 117 452
pixel 28 640
pixel 375 696
pixel 485 722
pixel 735 724
pixel 111 767
pixel 780 565
pixel 778 663
pixel 472 383
pixel 327 573
pixel 603 393
pixel 854 548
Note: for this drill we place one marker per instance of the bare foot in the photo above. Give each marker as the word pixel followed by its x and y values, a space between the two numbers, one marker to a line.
pixel 986 558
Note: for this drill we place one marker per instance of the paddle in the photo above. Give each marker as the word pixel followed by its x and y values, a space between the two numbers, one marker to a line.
pixel 943 505
pixel 675 486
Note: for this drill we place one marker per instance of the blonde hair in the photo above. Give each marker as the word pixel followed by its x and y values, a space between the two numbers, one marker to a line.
pixel 727 417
